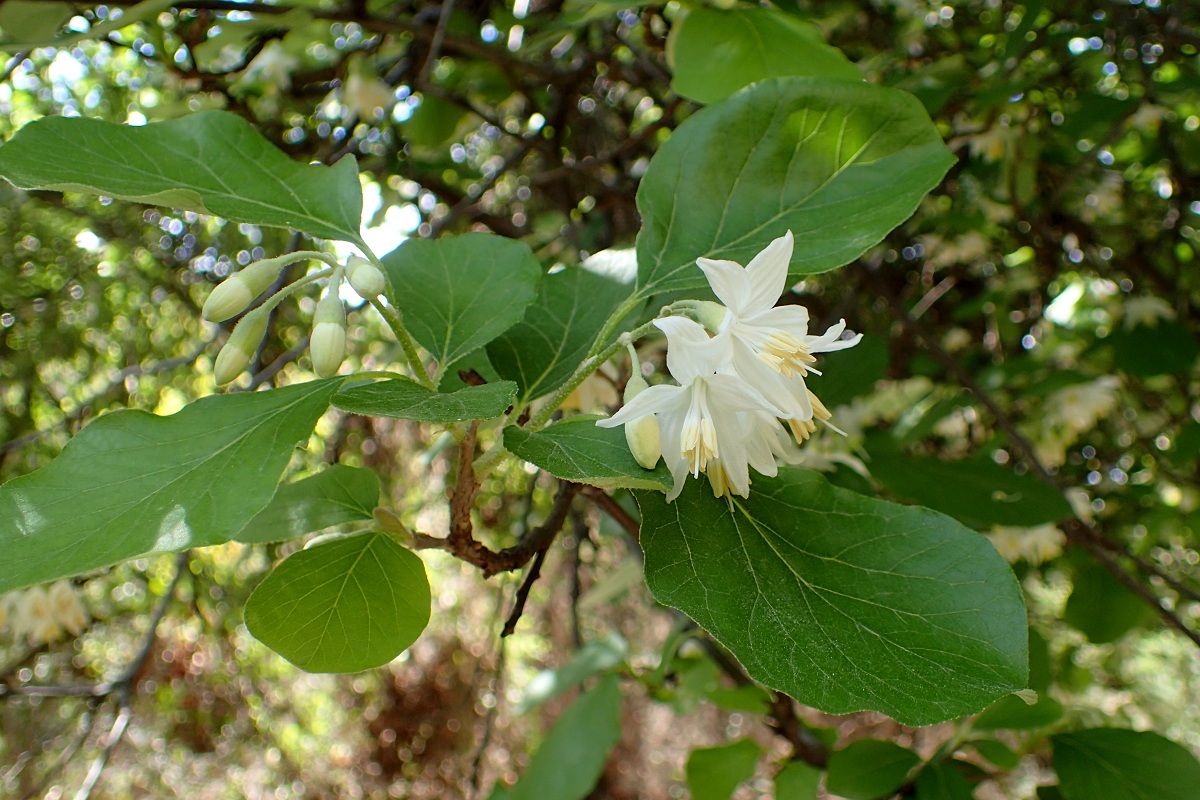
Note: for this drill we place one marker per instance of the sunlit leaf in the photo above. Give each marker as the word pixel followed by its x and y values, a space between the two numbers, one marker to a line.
pixel 576 449
pixel 331 497
pixel 405 399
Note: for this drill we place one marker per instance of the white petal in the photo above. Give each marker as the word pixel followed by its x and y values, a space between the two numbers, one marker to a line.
pixel 649 401
pixel 767 274
pixel 731 393
pixel 691 352
pixel 791 319
pixel 830 340
pixel 729 283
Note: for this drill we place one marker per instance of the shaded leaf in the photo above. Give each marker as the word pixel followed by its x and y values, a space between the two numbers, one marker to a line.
pixel 212 163
pixel 577 450
pixel 342 605
pixel 797 781
pixel 1118 764
pixel 333 496
pixel 405 399
pixel 132 483
pixel 1103 607
pixel 459 293
pixel 943 782
pixel 713 773
pixel 593 658
pixel 1013 713
pixel 717 52
pixel 839 164
pixel 869 768
pixel 842 601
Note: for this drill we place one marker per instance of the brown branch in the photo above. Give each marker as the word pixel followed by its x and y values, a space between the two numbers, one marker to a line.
pixel 535 569
pixel 613 509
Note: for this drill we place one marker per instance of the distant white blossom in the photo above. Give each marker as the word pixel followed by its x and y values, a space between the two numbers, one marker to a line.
pixel 1034 545
pixel 1146 310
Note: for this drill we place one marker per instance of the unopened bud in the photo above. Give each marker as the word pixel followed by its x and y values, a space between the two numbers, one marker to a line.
pixel 644 440
pixel 710 314
pixel 235 293
pixel 327 345
pixel 239 349
pixel 365 277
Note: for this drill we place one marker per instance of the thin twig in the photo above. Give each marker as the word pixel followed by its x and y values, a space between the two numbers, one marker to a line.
pixel 535 570
pixel 435 45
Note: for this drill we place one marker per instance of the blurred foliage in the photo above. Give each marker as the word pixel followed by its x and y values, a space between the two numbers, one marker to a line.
pixel 1040 312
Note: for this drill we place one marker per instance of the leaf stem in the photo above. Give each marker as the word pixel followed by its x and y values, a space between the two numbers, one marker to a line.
pixel 610 325
pixel 395 321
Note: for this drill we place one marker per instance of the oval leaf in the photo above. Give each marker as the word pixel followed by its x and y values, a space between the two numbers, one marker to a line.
pixel 132 483
pixel 713 773
pixel 718 52
pixel 331 497
pixel 404 399
pixel 869 768
pixel 1118 764
pixel 839 164
pixel 212 163
pixel 842 601
pixel 577 450
pixel 459 293
pixel 343 605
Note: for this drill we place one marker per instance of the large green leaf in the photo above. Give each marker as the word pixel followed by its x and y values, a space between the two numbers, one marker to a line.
pixel 457 294
pixel 713 773
pixel 717 52
pixel 842 601
pixel 342 605
pixel 975 491
pixel 542 350
pixel 1117 764
pixel 869 768
pixel 132 483
pixel 404 399
pixel 212 163
pixel 577 450
pixel 1102 607
pixel 573 754
pixel 331 497
pixel 839 164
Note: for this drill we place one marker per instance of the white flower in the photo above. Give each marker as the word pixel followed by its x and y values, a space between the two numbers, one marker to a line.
pixel 710 420
pixel 1146 310
pixel 365 96
pixel 770 347
pixel 35 618
pixel 1034 545
pixel 67 609
pixel 273 65
pixel 1080 406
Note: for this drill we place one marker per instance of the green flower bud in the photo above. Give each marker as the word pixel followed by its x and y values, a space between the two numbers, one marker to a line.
pixel 235 293
pixel 710 314
pixel 644 440
pixel 365 277
pixel 327 345
pixel 239 349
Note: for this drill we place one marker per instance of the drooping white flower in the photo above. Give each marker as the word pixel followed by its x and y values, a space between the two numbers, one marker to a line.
pixel 1035 545
pixel 769 346
pixel 711 420
pixel 273 66
pixel 67 608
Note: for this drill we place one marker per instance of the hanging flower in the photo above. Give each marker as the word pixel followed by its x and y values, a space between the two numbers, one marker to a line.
pixel 699 420
pixel 770 346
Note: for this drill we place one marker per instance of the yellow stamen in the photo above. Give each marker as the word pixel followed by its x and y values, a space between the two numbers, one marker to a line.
pixel 802 429
pixel 699 442
pixel 785 353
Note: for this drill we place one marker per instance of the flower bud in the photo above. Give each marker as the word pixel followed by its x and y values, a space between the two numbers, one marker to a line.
pixel 710 314
pixel 327 345
pixel 239 349
pixel 235 293
pixel 644 440
pixel 365 277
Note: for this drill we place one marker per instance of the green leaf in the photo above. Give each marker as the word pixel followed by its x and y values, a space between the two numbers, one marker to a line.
pixel 29 20
pixel 1103 607
pixel 718 52
pixel 943 782
pixel 212 163
pixel 572 757
pixel 342 605
pixel 797 781
pixel 839 164
pixel 336 495
pixel 1160 349
pixel 842 601
pixel 132 483
pixel 847 374
pixel 576 449
pixel 542 350
pixel 405 399
pixel 459 293
pixel 869 768
pixel 127 17
pixel 997 752
pixel 1013 713
pixel 593 658
pixel 713 773
pixel 975 491
pixel 1120 764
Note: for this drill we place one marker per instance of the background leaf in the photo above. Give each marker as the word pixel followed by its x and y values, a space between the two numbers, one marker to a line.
pixel 212 163
pixel 459 293
pixel 593 658
pixel 713 773
pixel 405 399
pixel 839 164
pixel 717 52
pixel 869 768
pixel 1013 713
pixel 1103 607
pixel 797 781
pixel 573 754
pixel 577 450
pixel 840 600
pixel 542 350
pixel 1118 764
pixel 333 496
pixel 342 605
pixel 132 483
pixel 943 782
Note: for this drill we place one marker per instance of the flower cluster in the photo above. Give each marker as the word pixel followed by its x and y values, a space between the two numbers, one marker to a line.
pixel 41 615
pixel 741 372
